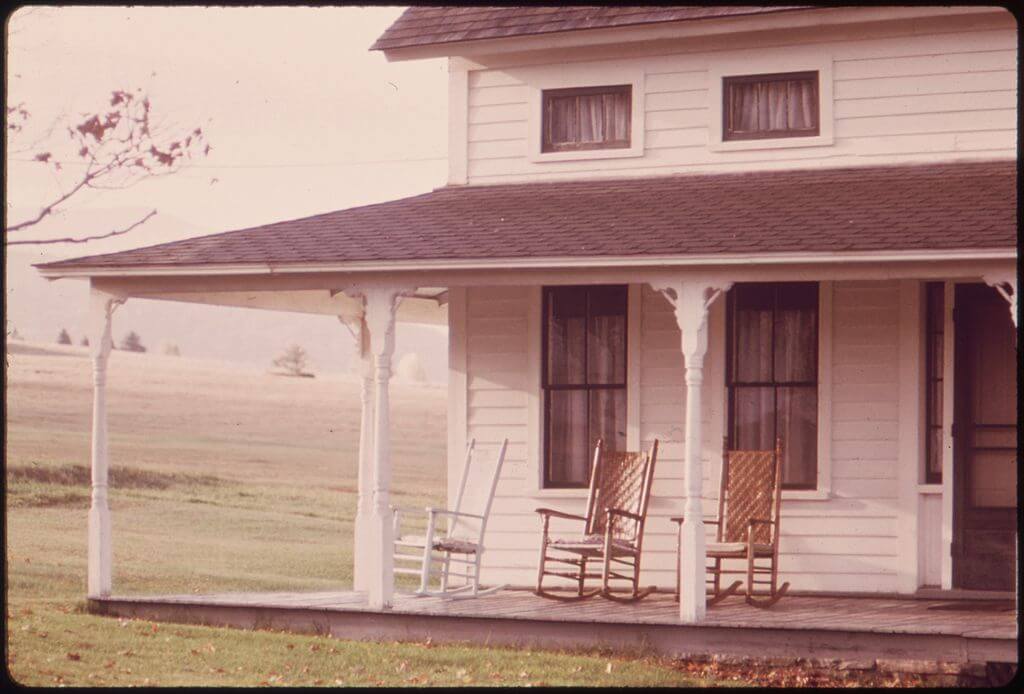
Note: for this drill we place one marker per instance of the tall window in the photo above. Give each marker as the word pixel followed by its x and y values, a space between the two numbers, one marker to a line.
pixel 588 118
pixel 584 379
pixel 784 104
pixel 935 318
pixel 773 374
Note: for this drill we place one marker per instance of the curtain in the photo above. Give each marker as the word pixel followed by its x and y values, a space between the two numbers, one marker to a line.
pixel 773 105
pixel 567 432
pixel 588 118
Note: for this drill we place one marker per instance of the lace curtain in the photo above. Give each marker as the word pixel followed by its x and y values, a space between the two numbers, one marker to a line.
pixel 587 119
pixel 776 105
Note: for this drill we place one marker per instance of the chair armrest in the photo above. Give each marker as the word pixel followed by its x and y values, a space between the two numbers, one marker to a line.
pixel 446 512
pixel 707 521
pixel 559 514
pixel 621 512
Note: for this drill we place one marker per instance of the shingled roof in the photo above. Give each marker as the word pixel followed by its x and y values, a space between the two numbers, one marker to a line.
pixel 967 205
pixel 424 26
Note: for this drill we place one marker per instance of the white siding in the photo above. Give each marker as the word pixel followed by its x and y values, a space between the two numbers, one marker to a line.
pixel 845 543
pixel 947 91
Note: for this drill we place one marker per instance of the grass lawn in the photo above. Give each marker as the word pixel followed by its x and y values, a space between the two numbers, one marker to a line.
pixel 223 479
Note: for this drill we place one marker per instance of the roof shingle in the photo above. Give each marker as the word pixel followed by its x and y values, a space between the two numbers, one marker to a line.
pixel 424 26
pixel 965 205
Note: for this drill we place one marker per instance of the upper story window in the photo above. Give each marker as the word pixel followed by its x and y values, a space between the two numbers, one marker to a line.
pixel 586 118
pixel 784 104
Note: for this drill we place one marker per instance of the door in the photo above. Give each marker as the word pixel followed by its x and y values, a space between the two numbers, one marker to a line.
pixel 985 441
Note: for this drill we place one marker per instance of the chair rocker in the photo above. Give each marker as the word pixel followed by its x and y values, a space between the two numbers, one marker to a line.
pixel 459 542
pixel 747 526
pixel 612 529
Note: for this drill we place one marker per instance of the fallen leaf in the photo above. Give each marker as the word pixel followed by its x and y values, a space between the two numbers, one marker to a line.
pixel 74 656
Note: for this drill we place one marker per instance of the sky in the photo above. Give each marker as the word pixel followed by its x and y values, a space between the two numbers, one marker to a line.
pixel 301 116
pixel 302 119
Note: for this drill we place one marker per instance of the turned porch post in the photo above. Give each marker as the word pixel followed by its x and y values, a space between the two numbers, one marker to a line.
pixel 381 304
pixel 101 309
pixel 363 549
pixel 691 300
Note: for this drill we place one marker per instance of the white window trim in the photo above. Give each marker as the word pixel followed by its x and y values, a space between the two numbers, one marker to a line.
pixel 766 64
pixel 534 482
pixel 595 76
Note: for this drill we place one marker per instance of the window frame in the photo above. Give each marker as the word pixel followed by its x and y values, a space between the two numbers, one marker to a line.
pixel 615 89
pixel 933 329
pixel 582 76
pixel 546 388
pixel 821 368
pixel 730 136
pixel 768 62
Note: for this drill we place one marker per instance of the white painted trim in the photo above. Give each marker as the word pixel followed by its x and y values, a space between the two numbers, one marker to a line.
pixel 908 464
pixel 763 62
pixel 458 380
pixel 752 259
pixel 948 346
pixel 634 361
pixel 825 309
pixel 595 75
pixel 534 478
pixel 929 489
pixel 458 122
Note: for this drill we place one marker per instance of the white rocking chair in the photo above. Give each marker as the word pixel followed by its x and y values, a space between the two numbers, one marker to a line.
pixel 462 543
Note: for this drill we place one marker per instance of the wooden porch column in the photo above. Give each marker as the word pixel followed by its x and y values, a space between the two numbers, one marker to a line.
pixel 363 549
pixel 101 310
pixel 380 306
pixel 691 300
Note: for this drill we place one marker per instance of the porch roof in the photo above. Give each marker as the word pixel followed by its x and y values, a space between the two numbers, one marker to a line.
pixel 424 25
pixel 926 207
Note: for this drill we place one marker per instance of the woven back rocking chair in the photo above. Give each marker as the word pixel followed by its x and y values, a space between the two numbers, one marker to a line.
pixel 612 529
pixel 749 502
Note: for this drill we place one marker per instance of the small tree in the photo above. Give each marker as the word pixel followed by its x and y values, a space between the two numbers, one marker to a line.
pixel 171 350
pixel 132 343
pixel 63 338
pixel 85 342
pixel 293 360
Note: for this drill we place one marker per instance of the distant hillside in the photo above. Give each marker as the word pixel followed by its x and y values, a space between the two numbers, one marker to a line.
pixel 38 308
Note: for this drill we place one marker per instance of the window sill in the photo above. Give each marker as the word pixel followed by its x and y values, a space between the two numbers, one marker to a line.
pixel 806 494
pixel 771 143
pixel 586 154
pixel 929 488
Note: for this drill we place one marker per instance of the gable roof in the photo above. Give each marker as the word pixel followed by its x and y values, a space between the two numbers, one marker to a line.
pixel 425 25
pixel 966 205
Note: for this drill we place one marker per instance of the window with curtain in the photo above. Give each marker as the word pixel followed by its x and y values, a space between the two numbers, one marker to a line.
pixel 772 374
pixel 588 118
pixel 584 378
pixel 764 106
pixel 935 319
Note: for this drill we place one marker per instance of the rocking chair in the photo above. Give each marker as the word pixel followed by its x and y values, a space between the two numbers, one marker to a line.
pixel 613 527
pixel 749 501
pixel 461 543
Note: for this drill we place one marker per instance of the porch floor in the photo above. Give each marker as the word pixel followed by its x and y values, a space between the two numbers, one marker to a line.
pixel 797 626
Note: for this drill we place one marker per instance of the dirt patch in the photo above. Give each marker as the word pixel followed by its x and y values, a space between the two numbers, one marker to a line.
pixel 120 477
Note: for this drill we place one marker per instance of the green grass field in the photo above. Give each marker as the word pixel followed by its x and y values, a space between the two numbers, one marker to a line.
pixel 222 479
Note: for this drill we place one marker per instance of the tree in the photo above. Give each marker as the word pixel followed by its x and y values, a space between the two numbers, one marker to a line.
pixel 84 342
pixel 63 338
pixel 293 361
pixel 132 343
pixel 115 146
pixel 170 349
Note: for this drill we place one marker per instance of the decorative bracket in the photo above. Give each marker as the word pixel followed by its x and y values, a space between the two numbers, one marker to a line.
pixel 1006 284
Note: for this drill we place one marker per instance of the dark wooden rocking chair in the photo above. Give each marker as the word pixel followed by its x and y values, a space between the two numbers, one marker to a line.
pixel 747 526
pixel 613 527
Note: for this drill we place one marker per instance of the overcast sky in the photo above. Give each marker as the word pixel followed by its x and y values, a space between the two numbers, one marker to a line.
pixel 293 103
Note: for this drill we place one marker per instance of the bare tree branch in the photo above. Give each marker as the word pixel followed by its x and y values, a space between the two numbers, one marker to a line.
pixel 118 232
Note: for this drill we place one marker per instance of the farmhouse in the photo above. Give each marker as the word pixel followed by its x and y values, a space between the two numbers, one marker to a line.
pixel 683 224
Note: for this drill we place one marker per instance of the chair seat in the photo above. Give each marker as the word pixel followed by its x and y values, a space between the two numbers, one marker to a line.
pixel 590 545
pixel 444 544
pixel 736 549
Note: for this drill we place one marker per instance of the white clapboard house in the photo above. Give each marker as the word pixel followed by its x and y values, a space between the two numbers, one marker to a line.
pixel 765 221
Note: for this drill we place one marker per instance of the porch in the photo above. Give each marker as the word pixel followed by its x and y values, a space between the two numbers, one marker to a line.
pixel 812 627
